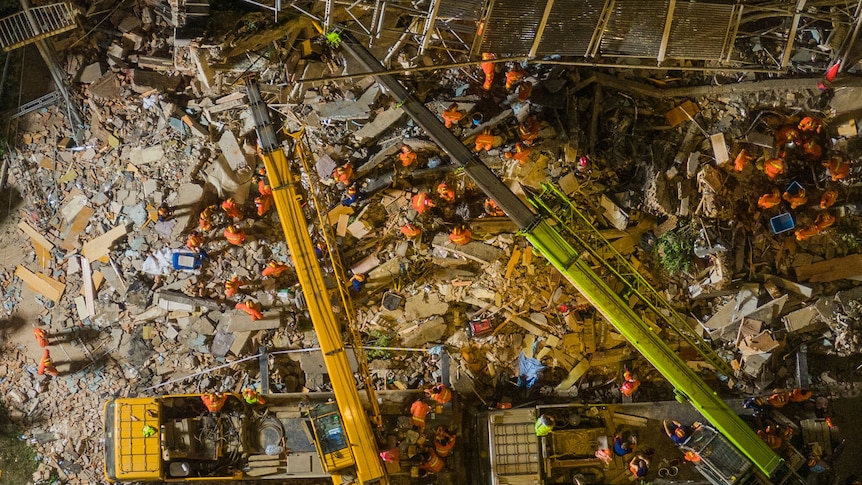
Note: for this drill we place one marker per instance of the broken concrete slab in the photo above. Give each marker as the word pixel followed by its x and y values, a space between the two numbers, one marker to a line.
pixel 382 122
pixel 232 151
pixel 418 334
pixel 242 322
pixel 146 156
pixel 474 250
pixel 423 305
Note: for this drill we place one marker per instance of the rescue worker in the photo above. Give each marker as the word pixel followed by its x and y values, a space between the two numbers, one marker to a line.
pixel 432 463
pixel 205 219
pixel 520 153
pixel 676 431
pixel 773 168
pixel 452 116
pixel 439 393
pixel 787 135
pixel 214 401
pixel 624 443
pixel 797 199
pixel 810 123
pixel 234 235
pixel 344 174
pixel 392 455
pixel 46 365
pixel 445 193
pixel 443 442
pixel 777 400
pixel 524 91
pixel 418 411
pixel 165 212
pixel 263 188
pixel 528 131
pixel 195 241
pixel 639 466
pixel 461 235
pixel 544 425
pixel 514 75
pixel 492 209
pixel 357 282
pixel 823 220
pixel 742 160
pixel 274 269
pixel 485 140
pixel 351 196
pixel 837 169
pixel 630 384
pixel 251 396
pixel 148 431
pixel 812 150
pixel 800 395
pixel 768 201
pixel 828 199
pixel 407 156
pixel 421 202
pixel 41 336
pixel 410 231
pixel 771 439
pixel 262 204
pixel 252 308
pixel 230 208
pixel 488 69
pixel 232 286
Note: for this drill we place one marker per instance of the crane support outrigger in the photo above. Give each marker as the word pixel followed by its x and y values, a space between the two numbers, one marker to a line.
pixel 568 253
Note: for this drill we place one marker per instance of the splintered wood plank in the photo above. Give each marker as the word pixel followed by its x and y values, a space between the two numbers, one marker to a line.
pixel 41 283
pixel 100 246
pixel 42 246
pixel 513 261
pixel 848 267
pixel 89 292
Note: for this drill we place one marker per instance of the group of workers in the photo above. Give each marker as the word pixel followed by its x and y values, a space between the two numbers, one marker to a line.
pixel 432 458
pixel 215 401
pixel 46 364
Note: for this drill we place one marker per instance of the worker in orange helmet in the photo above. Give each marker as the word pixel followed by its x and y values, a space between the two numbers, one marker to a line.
pixel 432 463
pixel 46 365
pixel 445 193
pixel 344 174
pixel 837 168
pixel 263 204
pixel 787 135
pixel 205 219
pixel 263 188
pixel 824 220
pixel 252 308
pixel 777 400
pixel 771 439
pixel 195 241
pixel 528 131
pixel 828 199
pixel 421 202
pixel 514 75
pixel 742 160
pixel 357 282
pixel 452 116
pixel 410 231
pixel 252 396
pixel 461 235
pixel 485 140
pixel 230 208
pixel 492 209
pixel 214 401
pixel 630 384
pixel 234 235
pixel 439 393
pixel 800 395
pixel 768 201
pixel 797 199
pixel 773 168
pixel 232 286
pixel 521 153
pixel 407 155
pixel 811 149
pixel 524 91
pixel 418 411
pixel 810 123
pixel 165 212
pixel 444 441
pixel 41 337
pixel 274 269
pixel 488 69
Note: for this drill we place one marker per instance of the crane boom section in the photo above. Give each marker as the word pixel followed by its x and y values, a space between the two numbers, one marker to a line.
pixel 564 256
pixel 357 427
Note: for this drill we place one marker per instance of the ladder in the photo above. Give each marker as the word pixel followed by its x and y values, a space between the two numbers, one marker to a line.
pixel 16 30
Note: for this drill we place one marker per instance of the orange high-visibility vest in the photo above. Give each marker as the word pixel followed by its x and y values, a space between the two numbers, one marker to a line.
pixel 529 130
pixel 230 208
pixel 421 202
pixel 214 401
pixel 251 309
pixel 410 231
pixel 442 394
pixel 418 411
pixel 444 450
pixel 434 464
pixel 205 219
pixel 837 169
pixel 231 286
pixel 407 156
pixel 774 167
pixel 41 337
pixel 524 91
pixel 514 76
pixel 452 115
pixel 343 174
pixel 829 197
pixel 742 160
pixel 809 123
pixel 768 201
pixel 460 236
pixel 234 235
pixel 488 69
pixel 46 365
pixel 274 269
pixel 263 188
pixel 521 153
pixel 194 241
pixel 824 220
pixel 485 141
pixel 446 193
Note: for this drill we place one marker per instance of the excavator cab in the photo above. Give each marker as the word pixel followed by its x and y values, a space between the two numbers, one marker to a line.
pixel 329 437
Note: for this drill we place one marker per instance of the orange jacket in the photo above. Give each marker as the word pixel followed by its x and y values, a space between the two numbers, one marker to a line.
pixel 263 187
pixel 407 156
pixel 630 386
pixel 524 91
pixel 232 286
pixel 774 167
pixel 796 200
pixel 824 220
pixel 230 208
pixel 421 202
pixel 488 69
pixel 251 308
pixel 521 153
pixel 343 174
pixel 493 209
pixel 263 204
pixel 768 201
pixel 443 445
pixel 205 219
pixel 234 235
pixel 452 116
pixel 46 365
pixel 528 131
pixel 445 193
pixel 514 76
pixel 742 160
pixel 251 396
pixel 440 393
pixel 460 235
pixel 837 169
pixel 829 197
pixel 274 269
pixel 214 401
pixel 195 241
pixel 810 123
pixel 41 337
pixel 418 412
pixel 485 141
pixel 410 231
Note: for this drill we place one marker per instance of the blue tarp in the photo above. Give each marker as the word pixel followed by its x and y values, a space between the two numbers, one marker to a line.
pixel 528 371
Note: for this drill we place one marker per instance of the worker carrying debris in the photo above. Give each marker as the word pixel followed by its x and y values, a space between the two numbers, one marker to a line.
pixel 460 235
pixel 488 69
pixel 262 204
pixel 230 208
pixel 274 269
pixel 485 140
pixel 41 337
pixel 421 202
pixel 676 431
pixel 234 235
pixel 214 401
pixel 46 365
pixel 439 393
pixel 452 116
pixel 443 442
pixel 165 212
pixel 252 397
pixel 630 384
pixel 544 425
pixel 252 308
pixel 407 156
pixel 232 286
pixel 418 410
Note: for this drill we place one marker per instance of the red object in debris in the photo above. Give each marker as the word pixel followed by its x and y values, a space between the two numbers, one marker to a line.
pixel 479 328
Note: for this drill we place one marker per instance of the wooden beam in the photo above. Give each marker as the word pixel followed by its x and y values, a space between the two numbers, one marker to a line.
pixel 42 246
pixel 100 246
pixel 41 283
pixel 89 293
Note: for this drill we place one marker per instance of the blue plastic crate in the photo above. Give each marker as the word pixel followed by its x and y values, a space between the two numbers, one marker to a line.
pixel 782 223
